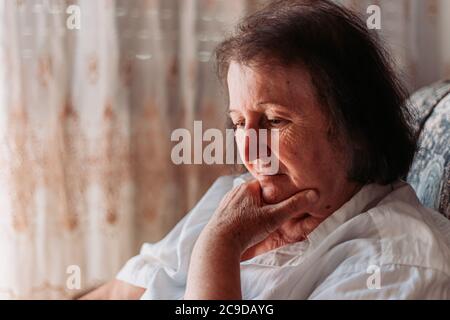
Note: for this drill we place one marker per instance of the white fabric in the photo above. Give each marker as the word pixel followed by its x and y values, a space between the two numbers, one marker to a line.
pixel 85 115
pixel 382 230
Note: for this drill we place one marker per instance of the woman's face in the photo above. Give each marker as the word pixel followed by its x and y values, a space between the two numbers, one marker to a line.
pixel 284 99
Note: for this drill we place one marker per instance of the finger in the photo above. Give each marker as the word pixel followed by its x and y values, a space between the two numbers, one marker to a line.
pixel 276 214
pixel 250 188
pixel 300 202
pixel 253 185
pixel 251 191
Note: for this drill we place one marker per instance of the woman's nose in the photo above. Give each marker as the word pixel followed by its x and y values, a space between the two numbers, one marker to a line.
pixel 256 145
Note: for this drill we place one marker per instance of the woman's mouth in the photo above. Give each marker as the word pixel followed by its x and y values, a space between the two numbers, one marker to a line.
pixel 266 171
pixel 268 175
pixel 264 168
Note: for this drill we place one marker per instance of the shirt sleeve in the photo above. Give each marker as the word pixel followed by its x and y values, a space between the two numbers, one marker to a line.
pixel 164 264
pixel 388 282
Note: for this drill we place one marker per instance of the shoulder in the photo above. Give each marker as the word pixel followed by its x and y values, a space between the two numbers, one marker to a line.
pixel 396 250
pixel 397 232
pixel 408 233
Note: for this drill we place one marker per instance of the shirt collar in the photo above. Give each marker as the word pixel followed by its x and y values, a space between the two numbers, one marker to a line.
pixel 362 201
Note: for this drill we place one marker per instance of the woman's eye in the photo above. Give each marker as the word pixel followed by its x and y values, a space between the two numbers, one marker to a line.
pixel 239 124
pixel 276 122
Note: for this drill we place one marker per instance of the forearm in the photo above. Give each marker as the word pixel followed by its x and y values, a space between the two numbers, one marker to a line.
pixel 115 290
pixel 241 220
pixel 214 271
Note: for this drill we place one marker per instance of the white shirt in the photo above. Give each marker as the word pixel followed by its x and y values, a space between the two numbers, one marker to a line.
pixel 381 244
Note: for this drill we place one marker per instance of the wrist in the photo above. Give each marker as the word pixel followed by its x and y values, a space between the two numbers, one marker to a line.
pixel 214 269
pixel 221 241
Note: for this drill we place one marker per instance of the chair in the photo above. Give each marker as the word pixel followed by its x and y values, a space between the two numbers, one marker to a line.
pixel 430 171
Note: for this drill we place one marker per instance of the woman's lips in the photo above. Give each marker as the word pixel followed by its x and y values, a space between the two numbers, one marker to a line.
pixel 268 175
pixel 266 171
pixel 264 168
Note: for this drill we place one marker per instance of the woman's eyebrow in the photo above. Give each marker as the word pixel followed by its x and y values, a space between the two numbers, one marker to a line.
pixel 263 104
pixel 268 104
pixel 282 109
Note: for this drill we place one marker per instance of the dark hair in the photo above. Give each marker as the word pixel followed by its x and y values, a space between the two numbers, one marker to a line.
pixel 350 70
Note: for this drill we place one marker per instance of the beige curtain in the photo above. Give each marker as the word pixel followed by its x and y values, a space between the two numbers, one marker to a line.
pixel 85 122
pixel 86 117
pixel 417 34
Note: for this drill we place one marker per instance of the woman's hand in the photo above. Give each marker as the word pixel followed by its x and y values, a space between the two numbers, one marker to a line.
pixel 241 220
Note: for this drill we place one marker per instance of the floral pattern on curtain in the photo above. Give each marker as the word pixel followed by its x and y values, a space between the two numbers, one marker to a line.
pixel 85 123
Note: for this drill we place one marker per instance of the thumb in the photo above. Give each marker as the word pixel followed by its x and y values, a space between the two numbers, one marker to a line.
pixel 300 202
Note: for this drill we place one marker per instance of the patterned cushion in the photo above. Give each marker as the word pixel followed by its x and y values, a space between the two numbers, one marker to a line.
pixel 430 172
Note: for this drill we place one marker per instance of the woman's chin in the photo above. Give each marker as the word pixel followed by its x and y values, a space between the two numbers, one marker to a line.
pixel 275 188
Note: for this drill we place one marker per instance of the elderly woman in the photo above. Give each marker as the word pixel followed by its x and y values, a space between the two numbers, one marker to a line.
pixel 336 220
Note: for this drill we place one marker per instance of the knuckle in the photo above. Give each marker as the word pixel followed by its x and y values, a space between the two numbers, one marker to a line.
pixel 251 185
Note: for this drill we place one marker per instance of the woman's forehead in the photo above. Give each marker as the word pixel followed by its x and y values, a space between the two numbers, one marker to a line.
pixel 267 85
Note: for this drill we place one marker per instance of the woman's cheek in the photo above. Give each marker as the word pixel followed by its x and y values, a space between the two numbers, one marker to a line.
pixel 291 138
pixel 299 158
pixel 290 148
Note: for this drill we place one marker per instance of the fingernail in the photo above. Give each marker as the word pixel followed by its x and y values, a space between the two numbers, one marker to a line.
pixel 312 196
